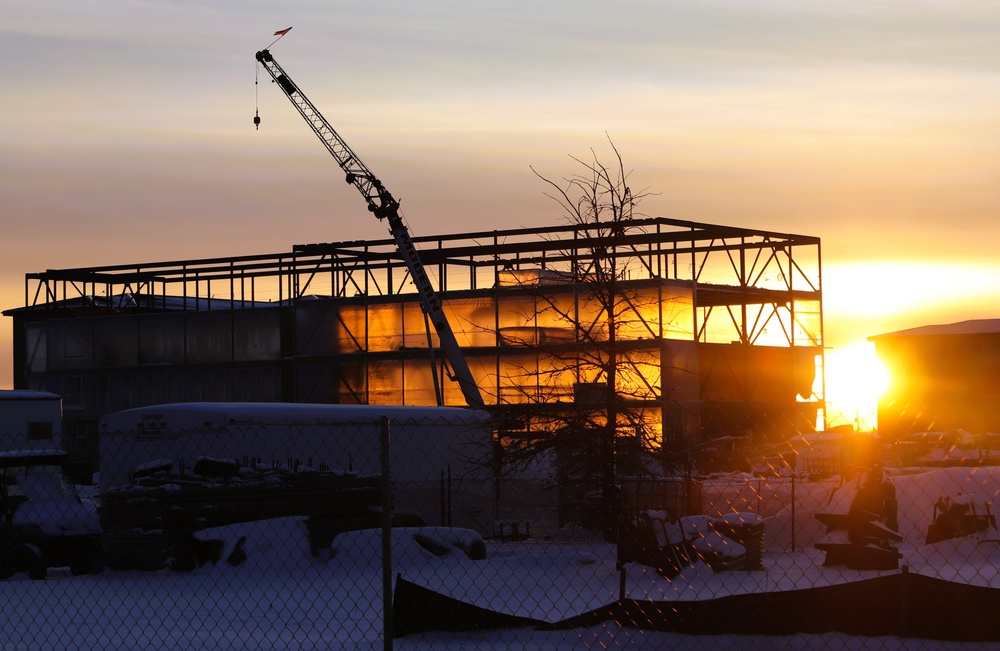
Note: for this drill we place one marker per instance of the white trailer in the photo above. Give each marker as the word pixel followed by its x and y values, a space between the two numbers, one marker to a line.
pixel 439 456
pixel 30 420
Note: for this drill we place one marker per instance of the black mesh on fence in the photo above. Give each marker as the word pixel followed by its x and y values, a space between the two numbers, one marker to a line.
pixel 273 526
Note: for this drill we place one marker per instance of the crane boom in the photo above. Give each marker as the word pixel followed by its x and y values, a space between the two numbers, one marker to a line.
pixel 384 206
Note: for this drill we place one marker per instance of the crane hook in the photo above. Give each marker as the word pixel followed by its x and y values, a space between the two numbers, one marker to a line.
pixel 256 120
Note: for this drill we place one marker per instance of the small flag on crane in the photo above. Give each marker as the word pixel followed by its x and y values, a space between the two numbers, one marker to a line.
pixel 282 32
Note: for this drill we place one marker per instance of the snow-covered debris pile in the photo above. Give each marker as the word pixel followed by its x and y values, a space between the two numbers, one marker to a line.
pixel 920 496
pixel 658 540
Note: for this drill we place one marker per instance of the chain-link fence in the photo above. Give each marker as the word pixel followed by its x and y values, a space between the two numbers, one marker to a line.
pixel 294 527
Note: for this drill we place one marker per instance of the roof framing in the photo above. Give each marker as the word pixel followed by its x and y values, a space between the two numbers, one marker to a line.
pixel 738 261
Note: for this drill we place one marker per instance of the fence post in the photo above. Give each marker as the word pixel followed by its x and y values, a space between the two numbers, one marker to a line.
pixel 383 430
pixel 903 604
pixel 793 510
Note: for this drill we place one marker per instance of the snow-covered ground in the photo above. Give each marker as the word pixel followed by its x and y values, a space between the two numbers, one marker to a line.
pixel 283 597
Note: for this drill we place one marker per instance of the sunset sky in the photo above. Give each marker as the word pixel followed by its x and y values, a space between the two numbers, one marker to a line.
pixel 127 131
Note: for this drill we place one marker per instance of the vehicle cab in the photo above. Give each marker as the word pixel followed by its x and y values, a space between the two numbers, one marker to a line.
pixel 43 521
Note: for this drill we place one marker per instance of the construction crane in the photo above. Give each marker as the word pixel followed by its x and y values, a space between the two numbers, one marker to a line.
pixel 383 205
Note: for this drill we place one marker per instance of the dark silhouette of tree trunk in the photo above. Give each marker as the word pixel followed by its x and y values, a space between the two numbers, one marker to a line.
pixel 599 199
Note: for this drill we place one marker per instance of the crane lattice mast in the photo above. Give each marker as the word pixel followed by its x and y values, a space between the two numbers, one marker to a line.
pixel 384 206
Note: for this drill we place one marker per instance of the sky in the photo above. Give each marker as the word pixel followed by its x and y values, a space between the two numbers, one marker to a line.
pixel 127 132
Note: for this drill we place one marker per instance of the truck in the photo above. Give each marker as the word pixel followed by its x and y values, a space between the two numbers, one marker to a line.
pixel 43 521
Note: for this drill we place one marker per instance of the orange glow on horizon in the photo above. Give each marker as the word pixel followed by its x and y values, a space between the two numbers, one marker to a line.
pixel 897 287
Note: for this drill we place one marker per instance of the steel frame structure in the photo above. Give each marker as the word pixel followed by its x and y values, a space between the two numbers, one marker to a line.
pixel 730 268
pixel 713 287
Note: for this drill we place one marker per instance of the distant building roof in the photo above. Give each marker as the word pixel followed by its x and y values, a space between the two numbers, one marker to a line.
pixel 973 327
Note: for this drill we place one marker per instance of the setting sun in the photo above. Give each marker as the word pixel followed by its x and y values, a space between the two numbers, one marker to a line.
pixel 855 379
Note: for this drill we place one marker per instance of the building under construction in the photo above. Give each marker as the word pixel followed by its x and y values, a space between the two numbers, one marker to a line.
pixel 721 327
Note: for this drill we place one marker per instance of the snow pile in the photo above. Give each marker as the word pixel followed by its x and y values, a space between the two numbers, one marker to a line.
pixel 283 544
pixel 282 596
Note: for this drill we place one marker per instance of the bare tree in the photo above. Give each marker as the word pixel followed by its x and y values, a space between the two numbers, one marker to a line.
pixel 602 431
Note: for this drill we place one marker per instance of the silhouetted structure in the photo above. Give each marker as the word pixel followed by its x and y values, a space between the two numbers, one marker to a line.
pixel 731 319
pixel 944 377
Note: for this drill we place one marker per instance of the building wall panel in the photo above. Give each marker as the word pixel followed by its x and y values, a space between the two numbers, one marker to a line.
pixel 116 342
pixel 70 344
pixel 161 339
pixel 208 337
pixel 256 335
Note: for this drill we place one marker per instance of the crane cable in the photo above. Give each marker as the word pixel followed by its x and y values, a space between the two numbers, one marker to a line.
pixel 256 81
pixel 256 96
